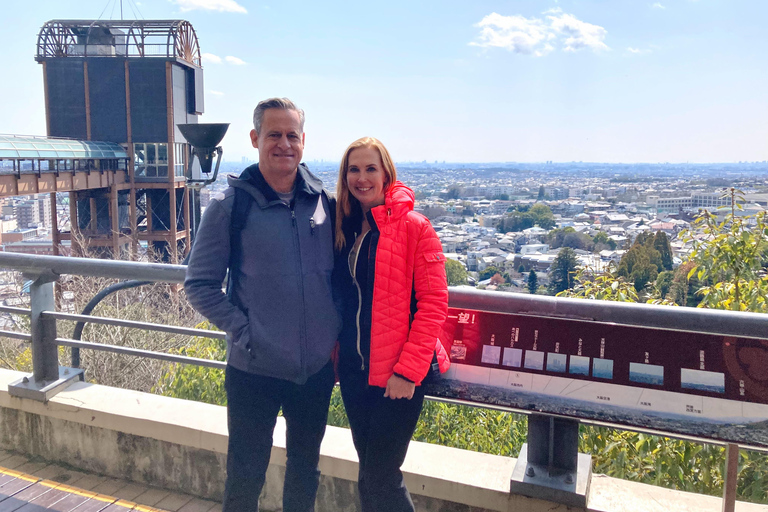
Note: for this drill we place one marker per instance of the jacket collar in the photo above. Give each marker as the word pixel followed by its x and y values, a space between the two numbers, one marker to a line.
pixel 398 201
pixel 252 180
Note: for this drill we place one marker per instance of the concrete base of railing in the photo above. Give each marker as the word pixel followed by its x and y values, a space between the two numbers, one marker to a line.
pixel 181 445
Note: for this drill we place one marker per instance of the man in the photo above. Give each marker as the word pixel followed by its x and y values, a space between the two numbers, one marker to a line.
pixel 278 311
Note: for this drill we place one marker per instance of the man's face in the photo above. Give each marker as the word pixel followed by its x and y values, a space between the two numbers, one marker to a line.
pixel 280 143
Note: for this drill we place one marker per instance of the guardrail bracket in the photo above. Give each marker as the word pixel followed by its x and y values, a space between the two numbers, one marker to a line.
pixel 549 466
pixel 27 387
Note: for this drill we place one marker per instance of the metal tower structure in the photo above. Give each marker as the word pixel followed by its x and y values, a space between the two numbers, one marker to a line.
pixel 128 82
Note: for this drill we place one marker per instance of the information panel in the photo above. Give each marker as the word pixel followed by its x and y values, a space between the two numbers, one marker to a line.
pixel 700 385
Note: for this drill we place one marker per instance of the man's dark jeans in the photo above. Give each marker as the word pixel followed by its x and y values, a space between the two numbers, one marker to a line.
pixel 253 404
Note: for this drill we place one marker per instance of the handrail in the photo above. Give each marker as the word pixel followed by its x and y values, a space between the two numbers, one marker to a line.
pixel 92 267
pixel 43 270
pixel 149 354
pixel 699 320
pixel 172 329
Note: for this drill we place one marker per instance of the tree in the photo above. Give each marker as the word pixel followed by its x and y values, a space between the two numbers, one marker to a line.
pixel 542 216
pixel 453 193
pixel 457 274
pixel 541 193
pixel 497 279
pixel 636 266
pixel 521 268
pixel 602 242
pixel 730 260
pixel 433 212
pixel 569 237
pixel 563 271
pixel 661 244
pixel 488 272
pixel 664 283
pixel 533 282
pixel 601 287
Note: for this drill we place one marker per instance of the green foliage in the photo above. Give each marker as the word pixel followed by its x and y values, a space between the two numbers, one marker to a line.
pixel 602 242
pixel 730 260
pixel 601 286
pixel 457 274
pixel 489 272
pixel 471 428
pixel 192 382
pixel 537 215
pixel 533 282
pixel 683 290
pixel 563 271
pixel 642 263
pixel 569 237
pixel 661 244
pixel 664 283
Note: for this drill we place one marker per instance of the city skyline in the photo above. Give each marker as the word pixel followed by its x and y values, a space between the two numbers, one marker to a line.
pixel 521 81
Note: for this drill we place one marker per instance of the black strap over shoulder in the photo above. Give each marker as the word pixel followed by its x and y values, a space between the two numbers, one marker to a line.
pixel 240 210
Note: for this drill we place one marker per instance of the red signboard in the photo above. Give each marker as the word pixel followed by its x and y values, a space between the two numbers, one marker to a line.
pixel 700 385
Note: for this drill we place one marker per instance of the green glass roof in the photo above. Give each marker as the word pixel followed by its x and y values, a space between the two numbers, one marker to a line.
pixel 32 148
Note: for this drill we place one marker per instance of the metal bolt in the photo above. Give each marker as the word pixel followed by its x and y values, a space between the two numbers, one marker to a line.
pixel 25 380
pixel 66 371
pixel 569 478
pixel 530 471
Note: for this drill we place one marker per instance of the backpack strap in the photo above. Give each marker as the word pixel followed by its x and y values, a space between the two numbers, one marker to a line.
pixel 240 210
pixel 332 213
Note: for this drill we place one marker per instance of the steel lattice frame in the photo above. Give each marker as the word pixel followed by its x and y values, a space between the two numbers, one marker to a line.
pixel 143 38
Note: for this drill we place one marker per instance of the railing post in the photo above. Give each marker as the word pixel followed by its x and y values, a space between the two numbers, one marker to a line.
pixel 45 357
pixel 550 466
pixel 47 377
pixel 731 477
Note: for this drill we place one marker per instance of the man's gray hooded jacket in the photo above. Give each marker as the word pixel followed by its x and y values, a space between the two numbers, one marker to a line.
pixel 279 317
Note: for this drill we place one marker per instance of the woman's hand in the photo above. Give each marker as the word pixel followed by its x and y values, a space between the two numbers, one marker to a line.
pixel 398 387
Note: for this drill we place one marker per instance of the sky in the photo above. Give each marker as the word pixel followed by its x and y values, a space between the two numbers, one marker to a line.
pixel 458 81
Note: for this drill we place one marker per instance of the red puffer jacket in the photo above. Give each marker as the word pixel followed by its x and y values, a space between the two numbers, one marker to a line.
pixel 409 258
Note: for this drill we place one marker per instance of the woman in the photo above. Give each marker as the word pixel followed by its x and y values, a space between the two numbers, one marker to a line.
pixel 389 276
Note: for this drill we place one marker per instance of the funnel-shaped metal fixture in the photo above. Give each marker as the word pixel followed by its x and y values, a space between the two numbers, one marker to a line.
pixel 204 138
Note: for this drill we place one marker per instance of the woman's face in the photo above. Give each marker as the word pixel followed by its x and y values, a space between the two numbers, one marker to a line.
pixel 366 178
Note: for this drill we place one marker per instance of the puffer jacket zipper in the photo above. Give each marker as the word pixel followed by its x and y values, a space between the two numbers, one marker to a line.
pixel 353 271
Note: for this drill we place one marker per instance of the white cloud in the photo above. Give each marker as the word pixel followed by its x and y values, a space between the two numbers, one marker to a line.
pixel 538 37
pixel 515 33
pixel 578 34
pixel 210 5
pixel 211 58
pixel 216 93
pixel 638 51
pixel 234 60
pixel 658 5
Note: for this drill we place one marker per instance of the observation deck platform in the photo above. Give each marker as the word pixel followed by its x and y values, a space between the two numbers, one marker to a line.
pixel 27 486
pixel 144 433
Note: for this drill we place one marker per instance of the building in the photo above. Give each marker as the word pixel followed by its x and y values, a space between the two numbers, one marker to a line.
pixel 697 200
pixel 130 83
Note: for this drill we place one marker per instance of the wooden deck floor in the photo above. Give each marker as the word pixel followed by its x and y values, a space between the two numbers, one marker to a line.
pixel 28 486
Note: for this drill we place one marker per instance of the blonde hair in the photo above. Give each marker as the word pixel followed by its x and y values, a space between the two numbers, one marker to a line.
pixel 344 200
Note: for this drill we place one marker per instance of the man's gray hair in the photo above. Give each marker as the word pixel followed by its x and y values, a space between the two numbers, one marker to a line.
pixel 282 104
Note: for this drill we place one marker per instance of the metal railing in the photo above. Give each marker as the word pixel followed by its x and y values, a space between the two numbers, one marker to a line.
pixel 48 378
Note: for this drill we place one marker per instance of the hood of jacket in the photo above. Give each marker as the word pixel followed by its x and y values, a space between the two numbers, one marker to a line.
pixel 252 180
pixel 398 201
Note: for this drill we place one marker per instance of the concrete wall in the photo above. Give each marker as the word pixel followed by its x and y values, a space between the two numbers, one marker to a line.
pixel 181 445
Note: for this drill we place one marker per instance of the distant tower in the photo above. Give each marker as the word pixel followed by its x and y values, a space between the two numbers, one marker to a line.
pixel 128 82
